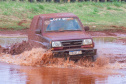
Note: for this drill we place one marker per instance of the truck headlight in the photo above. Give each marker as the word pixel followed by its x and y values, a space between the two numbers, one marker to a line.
pixel 87 41
pixel 56 44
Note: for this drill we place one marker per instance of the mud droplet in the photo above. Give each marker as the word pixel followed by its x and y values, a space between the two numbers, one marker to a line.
pixel 102 61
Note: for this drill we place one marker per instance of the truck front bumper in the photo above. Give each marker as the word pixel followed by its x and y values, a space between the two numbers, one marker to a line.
pixel 65 53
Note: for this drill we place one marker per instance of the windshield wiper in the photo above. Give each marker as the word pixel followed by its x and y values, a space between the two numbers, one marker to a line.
pixel 72 30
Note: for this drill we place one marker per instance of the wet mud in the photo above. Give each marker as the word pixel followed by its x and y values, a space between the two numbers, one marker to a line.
pixel 18 48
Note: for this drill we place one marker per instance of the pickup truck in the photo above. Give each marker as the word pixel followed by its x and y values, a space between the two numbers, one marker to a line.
pixel 63 34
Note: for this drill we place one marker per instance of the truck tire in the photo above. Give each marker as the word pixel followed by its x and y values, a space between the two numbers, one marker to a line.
pixel 94 58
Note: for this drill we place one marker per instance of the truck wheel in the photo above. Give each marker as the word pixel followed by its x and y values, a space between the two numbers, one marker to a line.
pixel 74 59
pixel 94 58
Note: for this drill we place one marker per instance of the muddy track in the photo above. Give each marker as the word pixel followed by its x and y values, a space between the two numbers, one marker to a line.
pixel 92 33
pixel 16 32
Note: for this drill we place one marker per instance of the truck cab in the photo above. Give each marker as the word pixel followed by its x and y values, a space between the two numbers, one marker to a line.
pixel 63 34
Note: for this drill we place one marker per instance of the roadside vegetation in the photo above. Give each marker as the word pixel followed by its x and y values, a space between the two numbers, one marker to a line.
pixel 99 16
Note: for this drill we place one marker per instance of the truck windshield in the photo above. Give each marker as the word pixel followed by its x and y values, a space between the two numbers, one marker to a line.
pixel 62 24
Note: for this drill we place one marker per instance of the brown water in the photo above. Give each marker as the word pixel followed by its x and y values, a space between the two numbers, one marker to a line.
pixel 110 68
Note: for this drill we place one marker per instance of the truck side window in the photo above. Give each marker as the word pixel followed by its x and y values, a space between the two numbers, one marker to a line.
pixel 39 24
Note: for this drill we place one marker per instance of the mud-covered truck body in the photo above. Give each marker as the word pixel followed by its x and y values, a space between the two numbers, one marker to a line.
pixel 63 34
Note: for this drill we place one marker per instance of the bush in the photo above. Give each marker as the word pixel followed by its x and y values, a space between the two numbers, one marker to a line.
pixel 117 4
pixel 41 7
pixel 109 8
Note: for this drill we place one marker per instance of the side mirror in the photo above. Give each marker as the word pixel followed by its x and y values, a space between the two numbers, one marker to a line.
pixel 38 31
pixel 86 28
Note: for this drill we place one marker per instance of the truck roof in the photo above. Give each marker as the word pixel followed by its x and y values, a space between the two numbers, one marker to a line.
pixel 57 15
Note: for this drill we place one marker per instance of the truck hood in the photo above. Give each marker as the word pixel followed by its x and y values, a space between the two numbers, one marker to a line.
pixel 67 35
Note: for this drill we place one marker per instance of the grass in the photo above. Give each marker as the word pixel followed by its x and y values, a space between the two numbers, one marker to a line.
pixel 99 16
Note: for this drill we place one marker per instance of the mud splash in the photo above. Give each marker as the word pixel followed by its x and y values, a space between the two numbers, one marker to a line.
pixel 34 57
pixel 18 48
pixel 27 58
pixel 27 55
pixel 40 57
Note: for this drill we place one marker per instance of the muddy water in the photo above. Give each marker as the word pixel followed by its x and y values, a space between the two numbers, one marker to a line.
pixel 5 42
pixel 113 48
pixel 113 72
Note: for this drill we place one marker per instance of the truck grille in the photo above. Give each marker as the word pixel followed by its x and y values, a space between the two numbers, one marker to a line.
pixel 72 43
